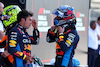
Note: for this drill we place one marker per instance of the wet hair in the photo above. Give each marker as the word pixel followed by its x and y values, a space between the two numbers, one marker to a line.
pixel 23 14
pixel 92 22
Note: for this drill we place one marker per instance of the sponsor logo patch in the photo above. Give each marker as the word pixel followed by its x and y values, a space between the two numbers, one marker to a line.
pixel 61 38
pixel 19 53
pixel 12 43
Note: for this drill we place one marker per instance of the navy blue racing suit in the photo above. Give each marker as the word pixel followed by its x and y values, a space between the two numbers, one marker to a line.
pixel 65 45
pixel 19 44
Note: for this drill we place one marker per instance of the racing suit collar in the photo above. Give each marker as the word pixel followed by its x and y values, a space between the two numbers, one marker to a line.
pixel 20 26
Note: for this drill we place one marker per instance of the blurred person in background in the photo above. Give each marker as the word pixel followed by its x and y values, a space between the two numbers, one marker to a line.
pixel 3 52
pixel 97 62
pixel 98 33
pixel 92 44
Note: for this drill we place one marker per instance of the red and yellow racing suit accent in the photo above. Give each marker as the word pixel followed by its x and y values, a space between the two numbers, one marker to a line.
pixel 19 43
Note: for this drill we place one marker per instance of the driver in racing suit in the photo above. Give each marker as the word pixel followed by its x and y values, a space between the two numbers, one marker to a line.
pixel 65 35
pixel 19 41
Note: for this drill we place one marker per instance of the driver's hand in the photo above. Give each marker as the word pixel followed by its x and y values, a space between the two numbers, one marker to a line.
pixel 34 23
pixel 5 54
pixel 29 58
pixel 60 29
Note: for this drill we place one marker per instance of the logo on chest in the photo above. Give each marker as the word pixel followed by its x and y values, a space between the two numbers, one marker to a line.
pixel 26 41
pixel 27 47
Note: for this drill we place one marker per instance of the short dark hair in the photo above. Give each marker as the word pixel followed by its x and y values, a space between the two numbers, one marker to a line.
pixel 23 14
pixel 92 22
pixel 98 18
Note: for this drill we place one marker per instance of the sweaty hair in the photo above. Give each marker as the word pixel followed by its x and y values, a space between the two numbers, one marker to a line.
pixel 23 14
pixel 92 23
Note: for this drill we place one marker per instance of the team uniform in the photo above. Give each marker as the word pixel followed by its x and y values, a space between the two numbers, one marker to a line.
pixel 65 45
pixel 67 40
pixel 19 44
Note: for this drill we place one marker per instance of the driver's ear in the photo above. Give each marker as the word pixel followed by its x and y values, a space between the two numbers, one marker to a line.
pixel 22 19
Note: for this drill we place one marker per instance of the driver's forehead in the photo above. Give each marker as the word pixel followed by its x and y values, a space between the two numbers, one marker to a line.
pixel 29 17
